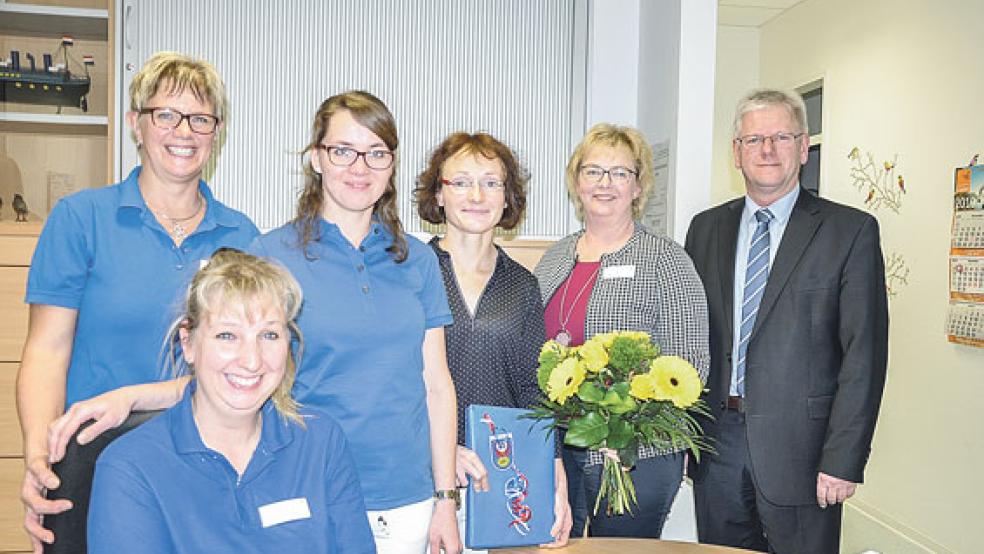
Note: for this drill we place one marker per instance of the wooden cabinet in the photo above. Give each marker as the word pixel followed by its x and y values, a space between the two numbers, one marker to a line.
pixel 45 153
pixel 17 242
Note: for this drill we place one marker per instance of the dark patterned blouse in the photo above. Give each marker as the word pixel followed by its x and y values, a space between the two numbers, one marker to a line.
pixel 493 354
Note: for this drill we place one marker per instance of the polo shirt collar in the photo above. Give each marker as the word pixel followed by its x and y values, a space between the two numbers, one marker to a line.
pixel 330 232
pixel 216 215
pixel 275 435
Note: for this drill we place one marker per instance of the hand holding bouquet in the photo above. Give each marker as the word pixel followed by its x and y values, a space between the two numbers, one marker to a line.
pixel 616 392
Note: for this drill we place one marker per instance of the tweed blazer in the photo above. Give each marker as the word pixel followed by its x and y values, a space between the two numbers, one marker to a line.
pixel 648 285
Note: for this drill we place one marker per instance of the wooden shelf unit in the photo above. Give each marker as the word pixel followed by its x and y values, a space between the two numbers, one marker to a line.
pixel 43 155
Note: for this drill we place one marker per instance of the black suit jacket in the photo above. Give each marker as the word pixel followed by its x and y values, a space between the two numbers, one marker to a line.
pixel 817 356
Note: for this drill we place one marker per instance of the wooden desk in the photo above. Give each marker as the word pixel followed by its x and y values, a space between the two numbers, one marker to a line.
pixel 626 546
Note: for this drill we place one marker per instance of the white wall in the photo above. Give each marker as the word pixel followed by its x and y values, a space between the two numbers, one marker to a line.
pixel 651 65
pixel 904 78
pixel 736 73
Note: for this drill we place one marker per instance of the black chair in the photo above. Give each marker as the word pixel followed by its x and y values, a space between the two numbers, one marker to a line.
pixel 76 471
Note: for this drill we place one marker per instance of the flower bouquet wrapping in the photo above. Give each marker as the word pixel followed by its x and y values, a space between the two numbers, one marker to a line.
pixel 616 392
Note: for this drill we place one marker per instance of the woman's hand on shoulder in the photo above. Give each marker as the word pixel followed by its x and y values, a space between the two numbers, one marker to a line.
pixel 106 411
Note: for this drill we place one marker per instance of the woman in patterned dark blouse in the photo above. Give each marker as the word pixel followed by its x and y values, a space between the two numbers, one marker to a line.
pixel 474 184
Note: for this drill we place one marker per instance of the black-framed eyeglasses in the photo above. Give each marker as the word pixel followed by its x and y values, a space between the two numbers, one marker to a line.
pixel 344 156
pixel 169 118
pixel 619 175
pixel 464 184
pixel 779 140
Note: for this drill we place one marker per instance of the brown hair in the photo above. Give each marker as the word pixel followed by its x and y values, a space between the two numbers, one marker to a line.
pixel 429 181
pixel 235 280
pixel 371 113
pixel 606 134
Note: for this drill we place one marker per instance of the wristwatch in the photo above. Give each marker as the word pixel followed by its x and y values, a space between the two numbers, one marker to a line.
pixel 449 494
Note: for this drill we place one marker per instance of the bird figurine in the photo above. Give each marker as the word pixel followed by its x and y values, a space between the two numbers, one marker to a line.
pixel 871 195
pixel 855 152
pixel 902 184
pixel 973 161
pixel 889 166
pixel 20 208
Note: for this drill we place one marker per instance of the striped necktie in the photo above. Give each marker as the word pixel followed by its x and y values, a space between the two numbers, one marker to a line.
pixel 756 275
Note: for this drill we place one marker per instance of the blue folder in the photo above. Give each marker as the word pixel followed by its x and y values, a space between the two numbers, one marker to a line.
pixel 518 453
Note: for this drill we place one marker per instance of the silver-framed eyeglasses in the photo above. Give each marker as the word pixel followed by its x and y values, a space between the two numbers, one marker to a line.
pixel 779 140
pixel 344 156
pixel 462 185
pixel 169 118
pixel 619 175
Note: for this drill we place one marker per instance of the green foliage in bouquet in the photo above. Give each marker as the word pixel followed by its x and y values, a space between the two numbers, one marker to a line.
pixel 616 392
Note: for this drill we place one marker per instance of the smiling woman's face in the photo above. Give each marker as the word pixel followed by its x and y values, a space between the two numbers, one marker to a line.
pixel 239 359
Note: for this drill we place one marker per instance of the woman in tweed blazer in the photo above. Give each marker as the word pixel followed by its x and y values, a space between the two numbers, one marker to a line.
pixel 615 274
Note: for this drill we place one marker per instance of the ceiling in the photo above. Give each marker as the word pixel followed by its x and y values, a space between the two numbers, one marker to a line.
pixel 751 13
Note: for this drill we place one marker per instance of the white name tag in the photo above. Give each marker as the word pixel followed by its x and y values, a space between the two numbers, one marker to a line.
pixel 284 511
pixel 618 272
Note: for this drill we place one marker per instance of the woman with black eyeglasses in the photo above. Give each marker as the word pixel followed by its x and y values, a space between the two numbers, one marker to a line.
pixel 373 321
pixel 618 275
pixel 112 262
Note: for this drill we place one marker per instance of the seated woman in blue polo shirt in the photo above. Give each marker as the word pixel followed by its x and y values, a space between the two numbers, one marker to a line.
pixel 112 261
pixel 236 465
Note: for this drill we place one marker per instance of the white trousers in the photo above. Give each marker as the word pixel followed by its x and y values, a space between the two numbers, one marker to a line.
pixel 402 530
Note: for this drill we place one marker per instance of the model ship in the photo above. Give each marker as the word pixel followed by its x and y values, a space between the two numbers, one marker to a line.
pixel 53 83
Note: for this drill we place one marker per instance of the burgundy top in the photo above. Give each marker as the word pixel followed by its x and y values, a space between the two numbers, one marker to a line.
pixel 567 311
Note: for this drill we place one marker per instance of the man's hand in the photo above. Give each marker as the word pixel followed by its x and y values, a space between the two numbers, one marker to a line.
pixel 38 477
pixel 832 490
pixel 443 532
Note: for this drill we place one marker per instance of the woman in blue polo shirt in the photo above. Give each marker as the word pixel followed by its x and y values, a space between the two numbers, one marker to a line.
pixel 374 317
pixel 236 466
pixel 111 262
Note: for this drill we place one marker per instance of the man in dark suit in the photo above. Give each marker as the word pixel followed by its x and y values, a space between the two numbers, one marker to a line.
pixel 799 344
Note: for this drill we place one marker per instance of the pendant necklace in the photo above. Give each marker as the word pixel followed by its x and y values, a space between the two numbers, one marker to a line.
pixel 178 229
pixel 564 336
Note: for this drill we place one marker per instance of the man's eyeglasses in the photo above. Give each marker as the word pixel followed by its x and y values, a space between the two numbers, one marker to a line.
pixel 169 118
pixel 344 156
pixel 464 184
pixel 619 175
pixel 779 140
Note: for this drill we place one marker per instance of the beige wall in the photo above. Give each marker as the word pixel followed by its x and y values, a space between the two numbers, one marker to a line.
pixel 736 72
pixel 904 78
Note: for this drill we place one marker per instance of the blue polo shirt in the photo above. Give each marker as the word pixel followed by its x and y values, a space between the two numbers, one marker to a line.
pixel 159 489
pixel 364 319
pixel 103 253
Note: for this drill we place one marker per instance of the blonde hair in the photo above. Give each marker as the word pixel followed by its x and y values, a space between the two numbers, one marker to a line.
pixel 178 72
pixel 235 280
pixel 606 134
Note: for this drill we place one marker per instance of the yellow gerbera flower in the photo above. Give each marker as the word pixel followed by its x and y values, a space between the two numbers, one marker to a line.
pixel 643 387
pixel 676 380
pixel 564 380
pixel 593 355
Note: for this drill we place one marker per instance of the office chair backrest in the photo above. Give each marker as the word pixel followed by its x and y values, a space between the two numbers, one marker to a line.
pixel 76 471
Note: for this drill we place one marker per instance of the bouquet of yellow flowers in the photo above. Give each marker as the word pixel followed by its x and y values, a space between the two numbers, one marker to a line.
pixel 616 392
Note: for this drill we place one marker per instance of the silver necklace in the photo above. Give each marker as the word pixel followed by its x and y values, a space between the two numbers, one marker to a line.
pixel 564 336
pixel 178 229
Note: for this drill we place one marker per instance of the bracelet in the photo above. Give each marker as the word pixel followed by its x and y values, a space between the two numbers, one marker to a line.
pixel 449 494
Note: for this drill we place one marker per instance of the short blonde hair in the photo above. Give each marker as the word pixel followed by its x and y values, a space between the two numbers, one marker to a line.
pixel 238 281
pixel 178 72
pixel 606 134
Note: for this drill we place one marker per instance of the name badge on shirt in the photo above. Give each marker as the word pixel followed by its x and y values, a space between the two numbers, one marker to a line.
pixel 618 272
pixel 284 511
